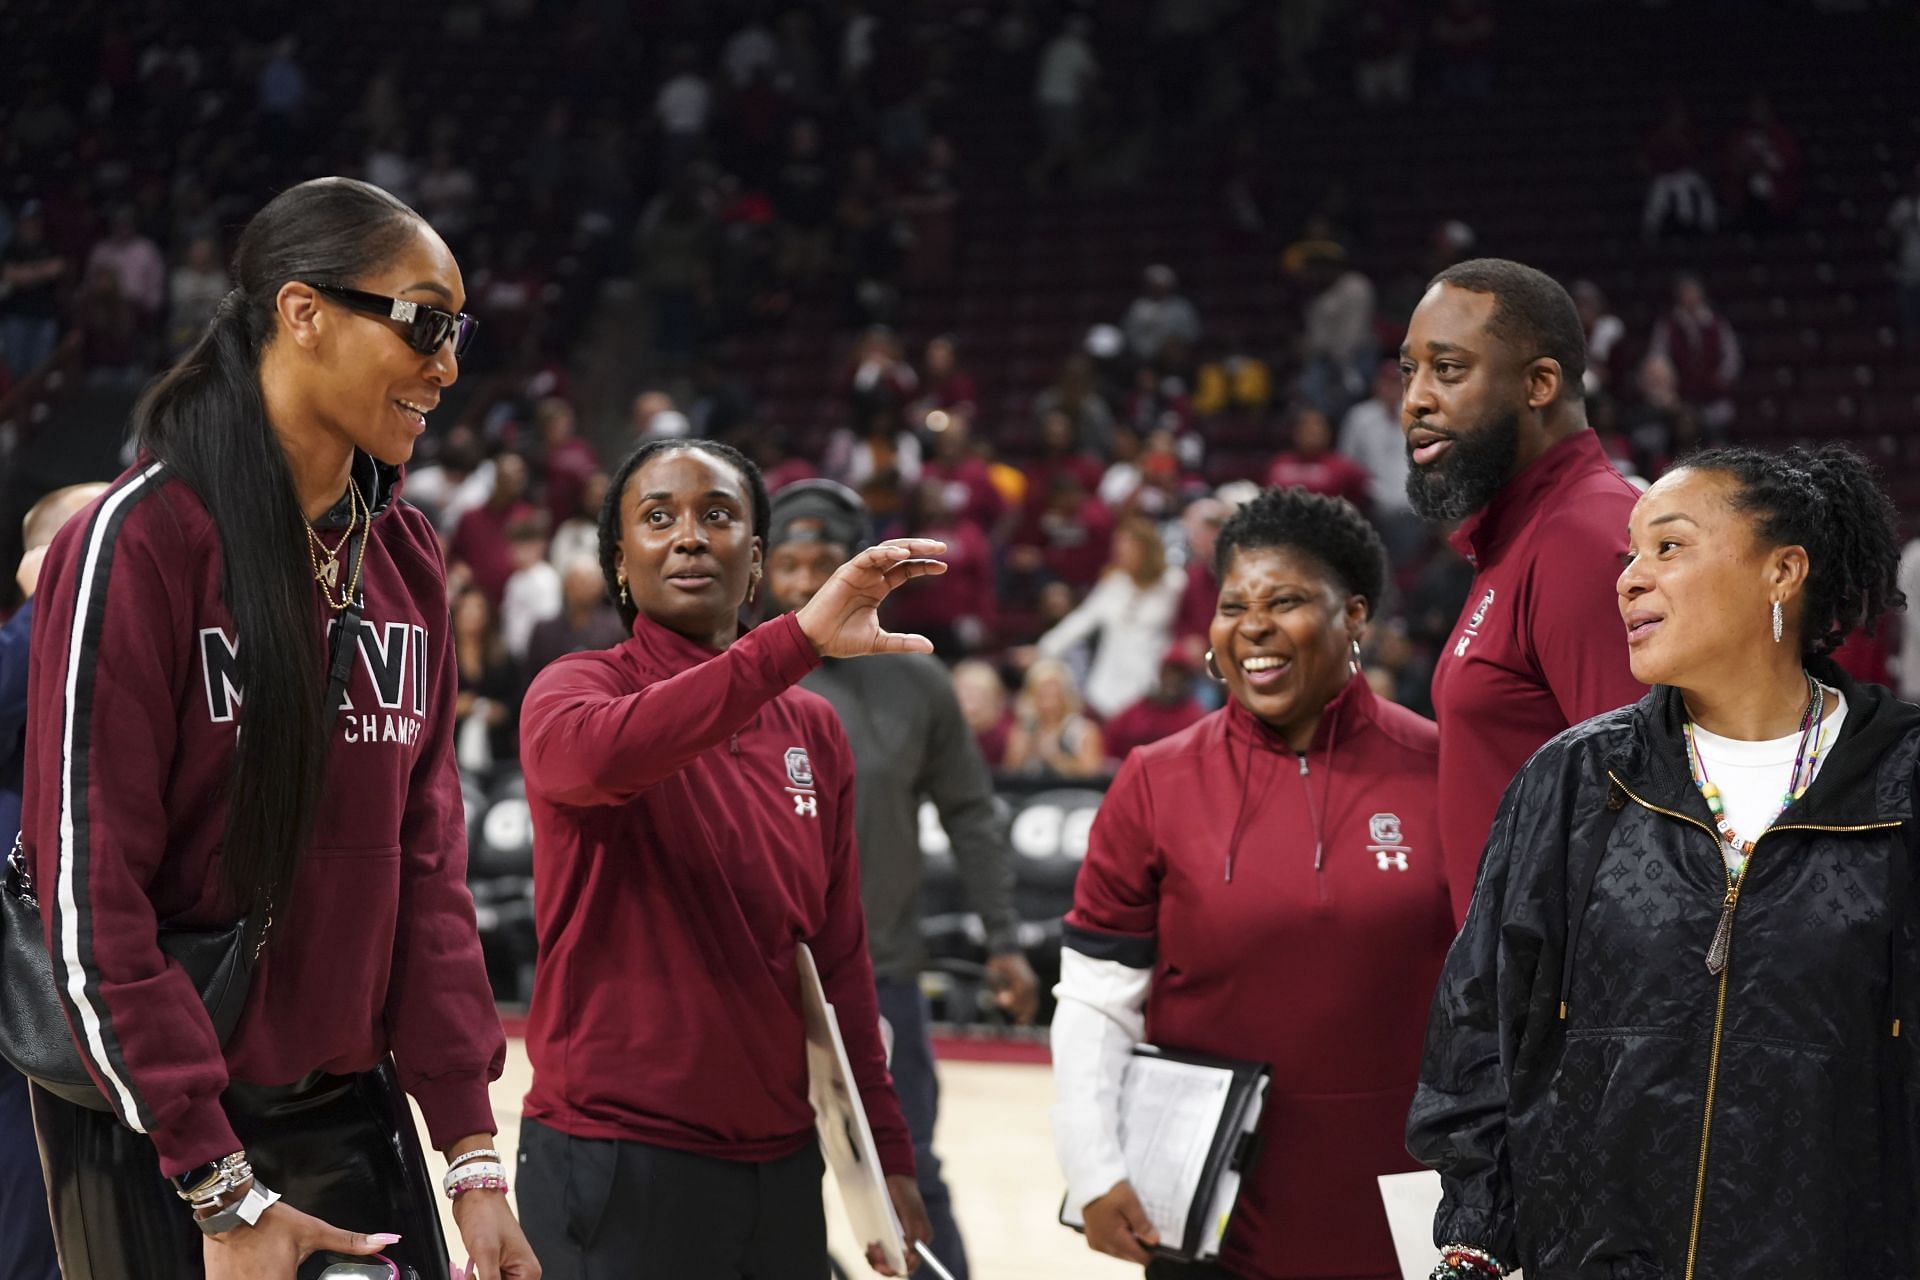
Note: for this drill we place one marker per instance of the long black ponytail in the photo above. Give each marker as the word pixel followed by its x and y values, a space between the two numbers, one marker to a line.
pixel 206 418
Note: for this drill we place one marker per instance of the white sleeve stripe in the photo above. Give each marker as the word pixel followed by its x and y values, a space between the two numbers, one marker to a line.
pixel 95 1024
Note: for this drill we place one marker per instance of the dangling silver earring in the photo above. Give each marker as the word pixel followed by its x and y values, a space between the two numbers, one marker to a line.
pixel 1356 657
pixel 1779 622
pixel 753 589
pixel 625 597
pixel 1213 669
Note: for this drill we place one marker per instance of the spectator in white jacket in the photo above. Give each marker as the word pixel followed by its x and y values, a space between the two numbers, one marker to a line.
pixel 533 594
pixel 1130 612
pixel 1160 316
pixel 1371 435
pixel 1909 675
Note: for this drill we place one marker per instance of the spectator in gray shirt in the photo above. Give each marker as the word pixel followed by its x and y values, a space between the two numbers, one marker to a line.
pixel 910 743
pixel 1160 316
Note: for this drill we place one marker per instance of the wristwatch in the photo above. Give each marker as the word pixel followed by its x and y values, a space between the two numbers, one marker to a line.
pixel 213 1179
pixel 244 1212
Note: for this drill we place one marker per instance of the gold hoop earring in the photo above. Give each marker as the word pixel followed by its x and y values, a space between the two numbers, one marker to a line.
pixel 1213 669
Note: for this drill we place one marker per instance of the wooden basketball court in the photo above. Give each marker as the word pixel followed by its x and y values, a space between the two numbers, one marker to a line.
pixel 998 1149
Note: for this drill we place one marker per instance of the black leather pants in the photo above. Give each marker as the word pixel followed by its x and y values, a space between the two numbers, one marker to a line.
pixel 342 1148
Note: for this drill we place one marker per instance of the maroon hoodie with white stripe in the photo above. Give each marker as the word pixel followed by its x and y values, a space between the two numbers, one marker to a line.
pixel 132 720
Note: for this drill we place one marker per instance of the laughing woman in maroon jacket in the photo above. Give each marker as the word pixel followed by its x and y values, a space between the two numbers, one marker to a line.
pixel 693 826
pixel 1267 886
pixel 192 600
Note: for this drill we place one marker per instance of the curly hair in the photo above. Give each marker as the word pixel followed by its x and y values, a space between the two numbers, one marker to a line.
pixel 617 487
pixel 1828 500
pixel 1331 530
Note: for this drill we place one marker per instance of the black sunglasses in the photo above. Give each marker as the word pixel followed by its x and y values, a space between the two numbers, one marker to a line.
pixel 427 326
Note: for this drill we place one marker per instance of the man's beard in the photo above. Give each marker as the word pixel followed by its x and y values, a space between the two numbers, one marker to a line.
pixel 1466 476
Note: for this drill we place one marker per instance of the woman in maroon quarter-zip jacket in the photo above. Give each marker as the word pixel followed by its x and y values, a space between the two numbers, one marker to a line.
pixel 1266 886
pixel 693 826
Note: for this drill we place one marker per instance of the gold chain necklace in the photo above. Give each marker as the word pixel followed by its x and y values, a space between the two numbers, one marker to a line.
pixel 326 571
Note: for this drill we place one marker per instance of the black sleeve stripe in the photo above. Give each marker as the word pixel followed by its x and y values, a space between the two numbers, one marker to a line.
pixel 1136 951
pixel 80 987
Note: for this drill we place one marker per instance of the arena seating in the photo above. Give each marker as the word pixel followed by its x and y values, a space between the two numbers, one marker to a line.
pixel 1550 177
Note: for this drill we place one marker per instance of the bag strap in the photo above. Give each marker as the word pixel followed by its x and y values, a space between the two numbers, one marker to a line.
pixel 340 654
pixel 346 636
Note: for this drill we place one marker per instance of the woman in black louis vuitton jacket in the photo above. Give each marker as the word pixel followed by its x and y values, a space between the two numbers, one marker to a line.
pixel 1676 1037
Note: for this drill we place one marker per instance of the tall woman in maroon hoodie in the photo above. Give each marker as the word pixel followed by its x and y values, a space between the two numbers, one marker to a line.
pixel 693 825
pixel 1266 886
pixel 189 603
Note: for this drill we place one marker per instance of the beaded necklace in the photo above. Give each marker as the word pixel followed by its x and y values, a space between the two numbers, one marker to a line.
pixel 1806 763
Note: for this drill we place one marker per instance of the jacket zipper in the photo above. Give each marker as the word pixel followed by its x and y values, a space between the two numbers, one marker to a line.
pixel 1319 838
pixel 1722 945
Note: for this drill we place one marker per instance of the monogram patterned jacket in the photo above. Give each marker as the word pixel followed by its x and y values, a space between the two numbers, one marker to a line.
pixel 1599 1103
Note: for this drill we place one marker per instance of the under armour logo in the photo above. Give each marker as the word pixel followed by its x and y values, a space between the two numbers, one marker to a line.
pixel 1391 861
pixel 806 807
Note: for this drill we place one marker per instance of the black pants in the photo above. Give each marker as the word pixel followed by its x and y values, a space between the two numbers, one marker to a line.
pixel 342 1148
pixel 602 1210
pixel 1162 1269
pixel 26 1238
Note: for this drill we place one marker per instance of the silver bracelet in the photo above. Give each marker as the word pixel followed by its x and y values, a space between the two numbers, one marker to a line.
pixel 244 1212
pixel 479 1169
pixel 478 1153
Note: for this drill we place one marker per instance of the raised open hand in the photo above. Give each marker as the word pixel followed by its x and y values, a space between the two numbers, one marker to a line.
pixel 842 619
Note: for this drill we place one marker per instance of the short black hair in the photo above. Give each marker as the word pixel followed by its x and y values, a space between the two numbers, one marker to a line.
pixel 1828 500
pixel 1331 530
pixel 617 487
pixel 1531 311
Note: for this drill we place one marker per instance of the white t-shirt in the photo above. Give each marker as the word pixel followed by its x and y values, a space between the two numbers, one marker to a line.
pixel 532 596
pixel 1753 776
pixel 1065 69
pixel 683 104
pixel 751 50
pixel 1371 436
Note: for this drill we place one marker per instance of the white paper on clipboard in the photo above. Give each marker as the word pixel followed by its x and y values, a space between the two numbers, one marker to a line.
pixel 1410 1200
pixel 846 1140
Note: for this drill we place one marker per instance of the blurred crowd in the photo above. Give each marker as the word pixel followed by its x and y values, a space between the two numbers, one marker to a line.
pixel 742 162
pixel 1081 580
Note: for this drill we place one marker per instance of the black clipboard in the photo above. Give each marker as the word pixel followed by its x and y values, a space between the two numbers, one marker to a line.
pixel 1232 1151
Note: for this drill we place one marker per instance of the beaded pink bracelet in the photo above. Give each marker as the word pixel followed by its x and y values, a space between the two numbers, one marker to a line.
pixel 479 1182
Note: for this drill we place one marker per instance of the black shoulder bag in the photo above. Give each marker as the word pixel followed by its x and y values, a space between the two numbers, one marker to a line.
pixel 34 1034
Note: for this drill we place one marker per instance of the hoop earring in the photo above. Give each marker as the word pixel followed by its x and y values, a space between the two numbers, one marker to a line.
pixel 1213 669
pixel 1779 622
